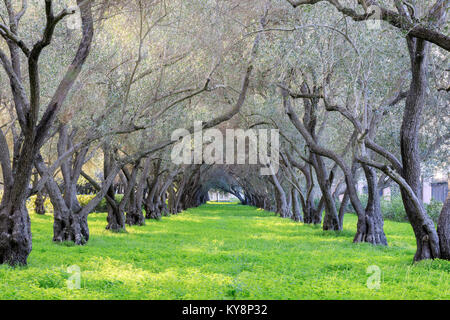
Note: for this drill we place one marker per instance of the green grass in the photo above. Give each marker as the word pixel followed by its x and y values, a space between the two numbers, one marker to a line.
pixel 224 251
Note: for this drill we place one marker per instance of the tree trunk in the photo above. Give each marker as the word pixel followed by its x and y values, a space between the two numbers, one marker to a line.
pixel 39 207
pixel 135 216
pixel 164 208
pixel 134 209
pixel 296 214
pixel 426 236
pixel 330 220
pixel 68 222
pixel 151 209
pixel 116 217
pixel 153 186
pixel 343 208
pixel 282 203
pixel 39 204
pixel 317 212
pixel 178 205
pixel 15 232
pixel 289 203
pixel 70 226
pixel 374 219
pixel 156 214
pixel 443 230
pixel 307 209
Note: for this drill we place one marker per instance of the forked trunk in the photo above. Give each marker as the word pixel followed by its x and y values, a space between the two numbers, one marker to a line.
pixel 70 226
pixel 373 231
pixel 134 213
pixel 68 222
pixel 330 220
pixel 115 218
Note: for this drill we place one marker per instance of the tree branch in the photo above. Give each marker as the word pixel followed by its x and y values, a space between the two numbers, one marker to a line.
pixel 404 23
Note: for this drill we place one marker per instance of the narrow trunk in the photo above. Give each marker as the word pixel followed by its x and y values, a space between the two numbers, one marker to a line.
pixel 134 197
pixel 150 208
pixel 164 208
pixel 443 230
pixel 289 203
pixel 282 204
pixel 39 207
pixel 343 208
pixel 296 214
pixel 39 204
pixel 115 218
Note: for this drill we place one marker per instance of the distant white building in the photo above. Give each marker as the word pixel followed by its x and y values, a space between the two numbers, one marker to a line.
pixel 435 188
pixel 220 196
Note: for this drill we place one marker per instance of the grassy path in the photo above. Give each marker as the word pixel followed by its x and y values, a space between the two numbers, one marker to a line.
pixel 224 252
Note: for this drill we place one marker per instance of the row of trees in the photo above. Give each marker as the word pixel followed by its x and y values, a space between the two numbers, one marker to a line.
pixel 344 97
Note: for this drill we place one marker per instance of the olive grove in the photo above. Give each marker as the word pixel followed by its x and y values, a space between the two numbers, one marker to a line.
pixel 92 90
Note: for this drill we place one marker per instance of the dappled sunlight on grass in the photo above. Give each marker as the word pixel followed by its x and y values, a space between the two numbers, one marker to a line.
pixel 224 251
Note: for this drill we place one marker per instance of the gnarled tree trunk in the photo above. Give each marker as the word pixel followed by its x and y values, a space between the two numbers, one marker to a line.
pixel 15 231
pixel 15 234
pixel 68 222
